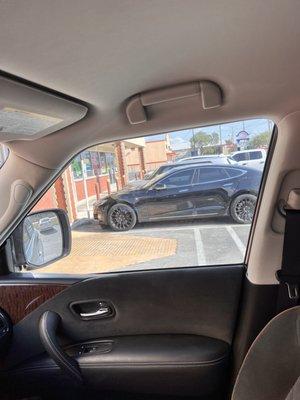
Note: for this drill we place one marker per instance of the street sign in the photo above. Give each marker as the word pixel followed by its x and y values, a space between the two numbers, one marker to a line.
pixel 242 136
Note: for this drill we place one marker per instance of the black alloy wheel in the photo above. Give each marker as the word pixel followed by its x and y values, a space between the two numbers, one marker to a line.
pixel 242 208
pixel 121 217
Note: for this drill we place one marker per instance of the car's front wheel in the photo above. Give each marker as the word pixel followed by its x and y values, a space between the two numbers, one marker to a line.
pixel 242 208
pixel 121 217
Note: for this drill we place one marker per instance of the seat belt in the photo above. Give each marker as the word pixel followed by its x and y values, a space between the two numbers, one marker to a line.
pixel 289 274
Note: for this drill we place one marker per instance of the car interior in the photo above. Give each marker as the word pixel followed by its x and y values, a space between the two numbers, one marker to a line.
pixel 77 74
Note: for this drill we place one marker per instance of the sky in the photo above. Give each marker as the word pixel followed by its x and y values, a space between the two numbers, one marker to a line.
pixel 181 139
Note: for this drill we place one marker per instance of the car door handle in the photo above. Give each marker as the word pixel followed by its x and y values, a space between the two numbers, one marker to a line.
pixel 92 309
pixel 183 190
pixel 102 311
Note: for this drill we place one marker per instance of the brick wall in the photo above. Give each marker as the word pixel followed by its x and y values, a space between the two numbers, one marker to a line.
pixel 91 183
pixel 47 201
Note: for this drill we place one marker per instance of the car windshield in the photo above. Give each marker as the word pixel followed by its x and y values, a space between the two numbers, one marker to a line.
pixel 151 175
pixel 155 179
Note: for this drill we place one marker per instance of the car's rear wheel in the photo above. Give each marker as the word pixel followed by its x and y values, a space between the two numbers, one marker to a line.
pixel 121 217
pixel 242 208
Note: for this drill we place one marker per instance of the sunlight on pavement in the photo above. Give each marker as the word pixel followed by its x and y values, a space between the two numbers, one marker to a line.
pixel 102 252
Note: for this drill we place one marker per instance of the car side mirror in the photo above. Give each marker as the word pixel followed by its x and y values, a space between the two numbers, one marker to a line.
pixel 42 238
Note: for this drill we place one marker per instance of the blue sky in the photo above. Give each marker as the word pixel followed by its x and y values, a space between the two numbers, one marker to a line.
pixel 181 139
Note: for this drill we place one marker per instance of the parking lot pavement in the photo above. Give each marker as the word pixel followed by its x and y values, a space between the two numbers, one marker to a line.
pixel 154 245
pixel 205 242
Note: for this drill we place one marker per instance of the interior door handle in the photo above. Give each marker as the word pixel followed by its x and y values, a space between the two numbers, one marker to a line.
pixel 92 309
pixel 102 311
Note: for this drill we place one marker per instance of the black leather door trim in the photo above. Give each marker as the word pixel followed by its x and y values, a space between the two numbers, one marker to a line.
pixel 195 301
pixel 199 365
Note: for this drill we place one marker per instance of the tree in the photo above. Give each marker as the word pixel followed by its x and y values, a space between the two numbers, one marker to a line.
pixel 201 139
pixel 260 140
pixel 215 138
pixel 229 142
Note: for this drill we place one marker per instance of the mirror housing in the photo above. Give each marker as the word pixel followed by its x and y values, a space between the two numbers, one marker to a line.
pixel 42 238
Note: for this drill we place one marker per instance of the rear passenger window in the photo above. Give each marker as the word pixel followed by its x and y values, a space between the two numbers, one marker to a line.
pixel 211 174
pixel 234 172
pixel 123 218
pixel 255 155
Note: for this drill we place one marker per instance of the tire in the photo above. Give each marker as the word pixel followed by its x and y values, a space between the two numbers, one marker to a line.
pixel 121 217
pixel 242 208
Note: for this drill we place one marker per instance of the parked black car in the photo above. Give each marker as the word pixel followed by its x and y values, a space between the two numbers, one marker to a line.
pixel 188 192
pixel 167 167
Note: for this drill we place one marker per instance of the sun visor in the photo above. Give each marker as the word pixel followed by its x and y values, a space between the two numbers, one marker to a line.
pixel 28 113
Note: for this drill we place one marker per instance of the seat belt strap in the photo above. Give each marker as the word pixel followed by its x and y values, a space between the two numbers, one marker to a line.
pixel 289 274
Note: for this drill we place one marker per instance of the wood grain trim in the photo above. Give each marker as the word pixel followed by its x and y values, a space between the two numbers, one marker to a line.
pixel 21 299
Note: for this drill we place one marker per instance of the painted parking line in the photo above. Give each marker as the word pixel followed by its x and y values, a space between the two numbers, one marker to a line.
pixel 219 247
pixel 178 228
pixel 243 232
pixel 239 244
pixel 198 244
pixel 201 260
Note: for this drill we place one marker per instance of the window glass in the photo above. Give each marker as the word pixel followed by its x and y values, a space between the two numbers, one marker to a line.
pixel 182 178
pixel 255 155
pixel 241 156
pixel 103 163
pixel 76 168
pixel 187 226
pixel 3 154
pixel 87 163
pixel 211 174
pixel 96 165
pixel 234 172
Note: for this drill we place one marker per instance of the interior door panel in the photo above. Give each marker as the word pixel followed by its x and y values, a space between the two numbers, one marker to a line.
pixel 170 333
pixel 19 300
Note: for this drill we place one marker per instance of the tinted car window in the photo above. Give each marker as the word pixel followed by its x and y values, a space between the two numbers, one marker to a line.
pixel 181 178
pixel 241 157
pixel 211 174
pixel 255 155
pixel 234 172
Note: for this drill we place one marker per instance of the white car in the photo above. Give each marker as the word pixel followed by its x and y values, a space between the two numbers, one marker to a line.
pixel 252 158
pixel 212 159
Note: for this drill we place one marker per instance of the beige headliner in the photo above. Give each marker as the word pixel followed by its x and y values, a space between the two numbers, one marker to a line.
pixel 102 52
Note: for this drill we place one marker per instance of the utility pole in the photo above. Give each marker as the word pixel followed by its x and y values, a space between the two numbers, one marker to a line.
pixel 220 134
pixel 194 144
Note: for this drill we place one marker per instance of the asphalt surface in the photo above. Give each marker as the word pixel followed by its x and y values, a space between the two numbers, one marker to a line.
pixel 199 242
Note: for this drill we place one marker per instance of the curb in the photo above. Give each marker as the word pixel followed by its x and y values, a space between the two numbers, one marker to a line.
pixel 81 221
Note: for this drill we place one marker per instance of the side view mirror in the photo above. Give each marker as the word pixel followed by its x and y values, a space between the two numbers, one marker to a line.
pixel 42 238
